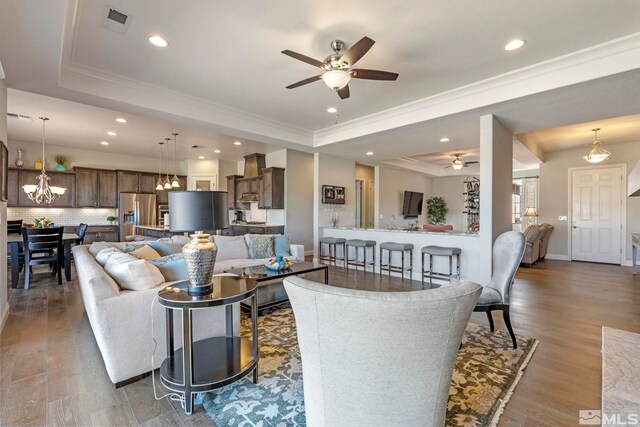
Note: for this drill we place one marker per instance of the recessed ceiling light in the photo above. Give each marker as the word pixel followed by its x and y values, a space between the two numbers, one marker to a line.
pixel 237 143
pixel 201 157
pixel 332 110
pixel 121 120
pixel 104 143
pixel 369 153
pixel 158 41
pixel 514 44
pixel 216 151
pixel 444 139
pixel 111 133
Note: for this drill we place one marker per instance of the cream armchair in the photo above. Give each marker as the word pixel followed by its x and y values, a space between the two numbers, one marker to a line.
pixel 378 358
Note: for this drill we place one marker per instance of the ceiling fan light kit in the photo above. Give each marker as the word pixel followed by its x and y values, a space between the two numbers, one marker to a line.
pixel 337 67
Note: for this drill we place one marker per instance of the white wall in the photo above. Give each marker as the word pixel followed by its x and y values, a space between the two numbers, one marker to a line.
pixel 366 174
pixel 4 306
pixel 554 192
pixel 392 184
pixel 331 170
pixel 299 198
pixel 88 158
pixel 450 188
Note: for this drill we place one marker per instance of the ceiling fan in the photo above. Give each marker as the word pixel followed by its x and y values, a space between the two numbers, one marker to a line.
pixel 337 67
pixel 458 163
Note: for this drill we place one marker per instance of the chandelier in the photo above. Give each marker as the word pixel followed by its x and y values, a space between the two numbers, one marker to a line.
pixel 597 153
pixel 42 193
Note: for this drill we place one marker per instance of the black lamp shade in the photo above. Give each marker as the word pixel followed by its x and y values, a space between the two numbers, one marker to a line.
pixel 198 210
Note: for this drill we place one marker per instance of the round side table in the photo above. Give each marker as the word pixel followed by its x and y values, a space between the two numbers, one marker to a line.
pixel 215 362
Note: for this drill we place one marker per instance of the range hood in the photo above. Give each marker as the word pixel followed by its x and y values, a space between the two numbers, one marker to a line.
pixel 248 198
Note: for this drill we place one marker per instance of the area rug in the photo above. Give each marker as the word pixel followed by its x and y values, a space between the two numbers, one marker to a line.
pixel 486 372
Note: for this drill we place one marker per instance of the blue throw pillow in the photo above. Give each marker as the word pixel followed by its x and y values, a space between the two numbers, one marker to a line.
pixel 282 245
pixel 172 267
pixel 166 248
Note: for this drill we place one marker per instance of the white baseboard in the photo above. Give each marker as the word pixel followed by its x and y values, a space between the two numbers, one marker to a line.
pixel 5 316
pixel 627 263
pixel 557 257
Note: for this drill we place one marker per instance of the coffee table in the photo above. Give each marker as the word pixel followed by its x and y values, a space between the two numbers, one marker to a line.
pixel 270 288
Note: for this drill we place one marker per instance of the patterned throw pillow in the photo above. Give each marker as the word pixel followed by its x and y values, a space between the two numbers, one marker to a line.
pixel 531 233
pixel 260 246
pixel 172 267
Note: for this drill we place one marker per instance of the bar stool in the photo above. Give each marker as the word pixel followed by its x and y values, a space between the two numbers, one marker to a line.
pixel 332 244
pixel 364 244
pixel 440 251
pixel 392 247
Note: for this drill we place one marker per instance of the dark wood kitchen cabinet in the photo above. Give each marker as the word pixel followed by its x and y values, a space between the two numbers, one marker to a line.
pixel 57 179
pixel 232 191
pixel 136 182
pixel 272 188
pixel 96 188
pixel 101 233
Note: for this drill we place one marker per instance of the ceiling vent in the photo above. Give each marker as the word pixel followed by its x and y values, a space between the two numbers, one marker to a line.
pixel 19 116
pixel 116 20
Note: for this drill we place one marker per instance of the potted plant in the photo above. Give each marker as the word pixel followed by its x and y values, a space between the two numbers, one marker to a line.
pixel 111 219
pixel 42 223
pixel 436 210
pixel 60 160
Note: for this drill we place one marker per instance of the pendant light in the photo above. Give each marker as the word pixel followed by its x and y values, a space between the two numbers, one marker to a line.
pixel 597 153
pixel 167 181
pixel 159 186
pixel 175 182
pixel 42 193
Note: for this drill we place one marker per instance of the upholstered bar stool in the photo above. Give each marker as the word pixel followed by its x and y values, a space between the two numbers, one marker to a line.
pixel 440 251
pixel 392 247
pixel 356 244
pixel 332 243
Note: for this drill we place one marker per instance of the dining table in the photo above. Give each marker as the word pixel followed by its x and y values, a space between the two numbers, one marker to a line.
pixel 14 242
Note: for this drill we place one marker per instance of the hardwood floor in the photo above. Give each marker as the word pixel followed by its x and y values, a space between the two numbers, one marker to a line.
pixel 51 372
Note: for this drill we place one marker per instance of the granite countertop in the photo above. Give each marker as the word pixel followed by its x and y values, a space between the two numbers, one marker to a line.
pixel 257 225
pixel 153 227
pixel 416 231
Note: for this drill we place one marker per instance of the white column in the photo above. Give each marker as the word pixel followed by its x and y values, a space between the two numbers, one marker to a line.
pixel 316 204
pixel 4 305
pixel 496 170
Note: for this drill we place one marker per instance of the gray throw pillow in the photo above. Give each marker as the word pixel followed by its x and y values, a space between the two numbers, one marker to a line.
pixel 260 245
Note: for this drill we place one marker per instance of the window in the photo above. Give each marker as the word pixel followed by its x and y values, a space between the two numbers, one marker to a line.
pixel 516 206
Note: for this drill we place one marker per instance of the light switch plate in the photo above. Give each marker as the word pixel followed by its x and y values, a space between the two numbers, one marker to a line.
pixel 562 218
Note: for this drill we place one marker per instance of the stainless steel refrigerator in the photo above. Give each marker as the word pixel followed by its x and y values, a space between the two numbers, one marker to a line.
pixel 136 209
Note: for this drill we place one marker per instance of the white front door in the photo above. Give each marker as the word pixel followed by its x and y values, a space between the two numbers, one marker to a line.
pixel 597 215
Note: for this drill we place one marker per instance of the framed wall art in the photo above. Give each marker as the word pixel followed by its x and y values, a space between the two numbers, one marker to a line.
pixel 333 195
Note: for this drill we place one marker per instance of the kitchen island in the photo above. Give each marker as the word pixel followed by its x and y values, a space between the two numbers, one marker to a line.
pixel 469 243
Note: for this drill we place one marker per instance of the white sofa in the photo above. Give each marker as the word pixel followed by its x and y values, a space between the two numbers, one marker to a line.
pixel 121 320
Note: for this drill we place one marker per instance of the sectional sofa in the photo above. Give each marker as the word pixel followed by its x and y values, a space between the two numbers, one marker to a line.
pixel 127 321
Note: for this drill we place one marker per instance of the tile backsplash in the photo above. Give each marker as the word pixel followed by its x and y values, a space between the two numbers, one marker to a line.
pixel 63 216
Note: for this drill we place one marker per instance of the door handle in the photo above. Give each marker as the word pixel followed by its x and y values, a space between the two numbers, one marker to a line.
pixel 575 226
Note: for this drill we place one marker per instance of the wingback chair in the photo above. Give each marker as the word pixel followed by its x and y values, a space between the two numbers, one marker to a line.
pixel 496 295
pixel 532 236
pixel 545 235
pixel 378 358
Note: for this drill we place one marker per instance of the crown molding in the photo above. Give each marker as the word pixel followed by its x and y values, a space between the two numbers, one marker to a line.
pixel 107 85
pixel 613 57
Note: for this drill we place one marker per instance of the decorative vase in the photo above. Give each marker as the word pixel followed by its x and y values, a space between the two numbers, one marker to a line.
pixel 200 258
pixel 61 168
pixel 19 162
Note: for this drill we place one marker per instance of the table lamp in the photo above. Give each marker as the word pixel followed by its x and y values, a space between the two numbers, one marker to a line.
pixel 199 212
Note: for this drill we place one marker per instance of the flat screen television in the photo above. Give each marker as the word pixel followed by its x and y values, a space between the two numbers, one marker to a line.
pixel 412 204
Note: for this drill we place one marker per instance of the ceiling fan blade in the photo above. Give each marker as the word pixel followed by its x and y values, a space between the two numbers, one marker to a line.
pixel 357 51
pixel 373 74
pixel 344 92
pixel 304 82
pixel 303 58
pixel 471 163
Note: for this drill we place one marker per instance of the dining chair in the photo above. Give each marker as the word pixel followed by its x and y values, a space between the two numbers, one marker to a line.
pixel 42 246
pixel 14 226
pixel 508 250
pixel 81 230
